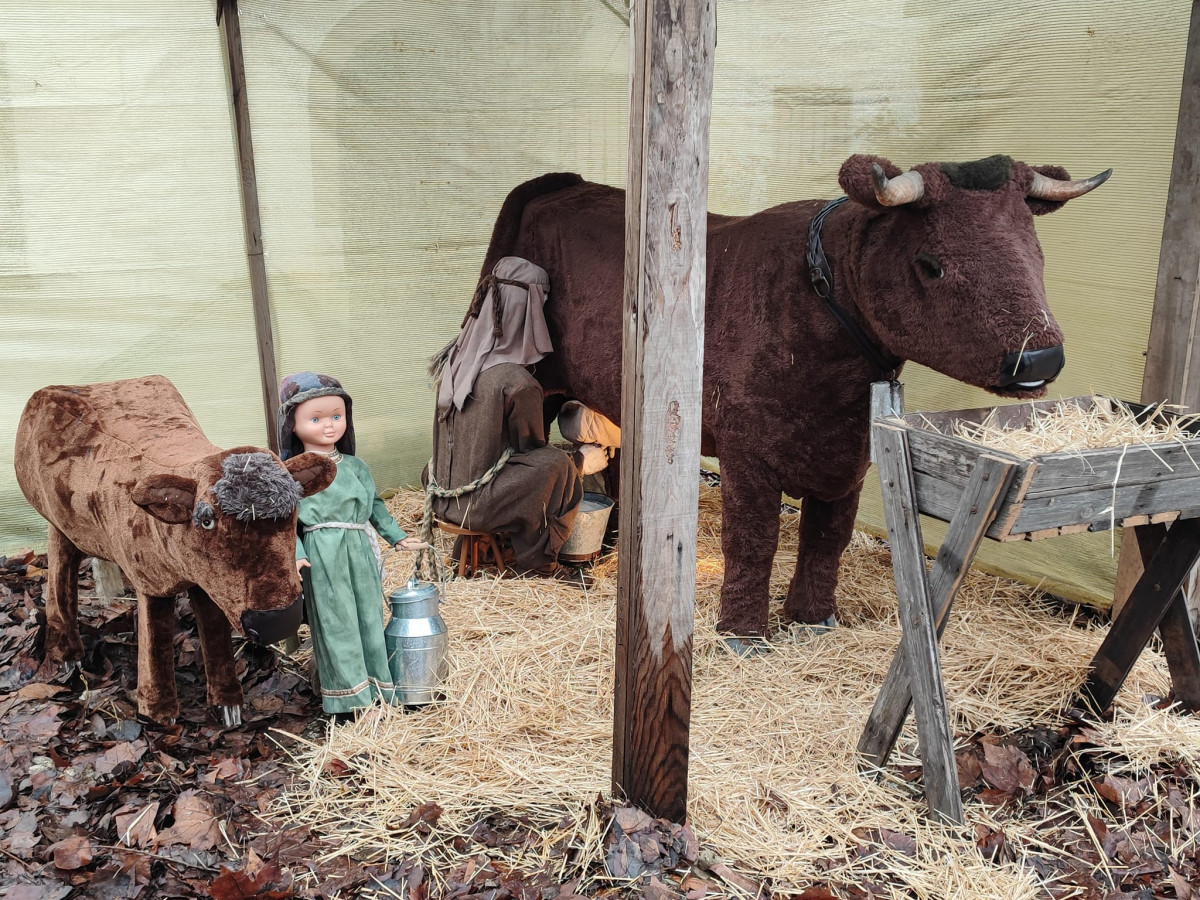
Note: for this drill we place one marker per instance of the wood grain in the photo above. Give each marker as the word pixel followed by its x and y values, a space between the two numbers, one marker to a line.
pixel 665 233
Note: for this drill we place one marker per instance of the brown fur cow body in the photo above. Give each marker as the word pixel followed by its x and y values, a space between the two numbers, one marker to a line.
pixel 121 471
pixel 940 265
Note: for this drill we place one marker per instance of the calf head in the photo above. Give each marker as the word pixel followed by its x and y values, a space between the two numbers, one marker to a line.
pixel 948 267
pixel 236 514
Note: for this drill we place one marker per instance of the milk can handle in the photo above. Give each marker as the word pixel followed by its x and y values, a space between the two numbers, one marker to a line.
pixel 438 569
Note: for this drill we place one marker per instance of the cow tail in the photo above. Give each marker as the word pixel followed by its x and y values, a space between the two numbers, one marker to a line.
pixel 508 223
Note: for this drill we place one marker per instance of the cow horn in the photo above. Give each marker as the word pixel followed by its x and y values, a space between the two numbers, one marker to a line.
pixel 899 190
pixel 1047 188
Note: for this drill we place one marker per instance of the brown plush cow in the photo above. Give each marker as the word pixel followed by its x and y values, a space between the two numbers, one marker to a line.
pixel 940 265
pixel 122 472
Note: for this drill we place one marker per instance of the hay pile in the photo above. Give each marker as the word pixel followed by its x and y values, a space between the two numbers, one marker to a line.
pixel 1073 426
pixel 775 789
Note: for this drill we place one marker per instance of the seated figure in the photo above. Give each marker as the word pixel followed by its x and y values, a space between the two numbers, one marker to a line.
pixel 492 468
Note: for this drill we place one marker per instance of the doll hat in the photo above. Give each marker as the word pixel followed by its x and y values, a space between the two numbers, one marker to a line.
pixel 293 391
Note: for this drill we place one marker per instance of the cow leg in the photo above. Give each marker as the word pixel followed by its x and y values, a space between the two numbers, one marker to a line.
pixel 825 530
pixel 157 699
pixel 220 670
pixel 749 536
pixel 63 644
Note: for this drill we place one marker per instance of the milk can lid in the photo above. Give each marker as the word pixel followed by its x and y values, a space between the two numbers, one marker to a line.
pixel 412 591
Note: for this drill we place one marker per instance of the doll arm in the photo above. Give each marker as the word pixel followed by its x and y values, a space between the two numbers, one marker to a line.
pixel 381 519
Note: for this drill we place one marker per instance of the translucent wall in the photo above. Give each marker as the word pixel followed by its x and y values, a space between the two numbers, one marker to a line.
pixel 387 132
pixel 121 248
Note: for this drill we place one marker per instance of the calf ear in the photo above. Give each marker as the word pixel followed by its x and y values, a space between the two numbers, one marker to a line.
pixel 167 497
pixel 313 471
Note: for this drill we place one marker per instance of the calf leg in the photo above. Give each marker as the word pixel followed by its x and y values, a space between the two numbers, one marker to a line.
pixel 63 644
pixel 220 670
pixel 749 535
pixel 157 700
pixel 825 530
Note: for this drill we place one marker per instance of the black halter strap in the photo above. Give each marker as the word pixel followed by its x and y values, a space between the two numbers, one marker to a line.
pixel 822 281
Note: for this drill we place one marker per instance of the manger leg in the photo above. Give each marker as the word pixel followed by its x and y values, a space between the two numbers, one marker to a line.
pixel 749 537
pixel 977 508
pixel 63 644
pixel 1143 611
pixel 919 630
pixel 157 699
pixel 1179 640
pixel 220 669
pixel 825 530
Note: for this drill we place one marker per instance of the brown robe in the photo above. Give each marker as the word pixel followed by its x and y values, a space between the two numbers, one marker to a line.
pixel 534 498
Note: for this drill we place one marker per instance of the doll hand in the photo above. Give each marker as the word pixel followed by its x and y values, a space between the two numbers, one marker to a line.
pixel 412 543
pixel 302 564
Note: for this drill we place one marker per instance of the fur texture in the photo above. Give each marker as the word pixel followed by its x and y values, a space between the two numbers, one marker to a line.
pixel 953 281
pixel 121 471
pixel 255 486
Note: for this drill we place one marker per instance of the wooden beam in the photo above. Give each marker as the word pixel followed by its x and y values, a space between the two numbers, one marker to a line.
pixel 1148 603
pixel 227 11
pixel 977 508
pixel 666 223
pixel 919 633
pixel 1173 355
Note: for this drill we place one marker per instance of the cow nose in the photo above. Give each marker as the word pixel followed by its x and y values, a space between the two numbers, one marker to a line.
pixel 1030 369
pixel 270 626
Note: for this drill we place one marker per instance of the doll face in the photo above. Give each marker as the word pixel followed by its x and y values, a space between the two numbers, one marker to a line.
pixel 320 423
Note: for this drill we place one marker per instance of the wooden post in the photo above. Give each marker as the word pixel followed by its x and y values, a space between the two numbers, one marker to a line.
pixel 251 220
pixel 1173 355
pixel 666 219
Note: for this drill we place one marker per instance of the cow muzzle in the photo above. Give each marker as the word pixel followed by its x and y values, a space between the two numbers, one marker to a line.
pixel 1028 370
pixel 270 626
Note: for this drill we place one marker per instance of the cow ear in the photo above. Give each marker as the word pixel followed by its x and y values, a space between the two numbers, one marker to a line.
pixel 313 471
pixel 856 180
pixel 167 497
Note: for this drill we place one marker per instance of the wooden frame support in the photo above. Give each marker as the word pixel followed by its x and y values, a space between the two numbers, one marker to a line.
pixel 227 10
pixel 980 502
pixel 1169 552
pixel 1173 351
pixel 1156 599
pixel 666 219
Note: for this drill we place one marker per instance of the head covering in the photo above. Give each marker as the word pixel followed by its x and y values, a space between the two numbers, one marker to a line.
pixel 293 391
pixel 506 324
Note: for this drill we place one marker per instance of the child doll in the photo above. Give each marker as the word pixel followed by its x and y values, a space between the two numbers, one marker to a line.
pixel 337 543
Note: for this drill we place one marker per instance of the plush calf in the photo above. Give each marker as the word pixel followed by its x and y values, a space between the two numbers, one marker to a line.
pixel 121 471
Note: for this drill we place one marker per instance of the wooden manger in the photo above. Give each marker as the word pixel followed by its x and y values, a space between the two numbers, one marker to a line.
pixel 983 492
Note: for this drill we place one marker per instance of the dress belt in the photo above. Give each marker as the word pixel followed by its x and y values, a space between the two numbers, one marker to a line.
pixel 372 536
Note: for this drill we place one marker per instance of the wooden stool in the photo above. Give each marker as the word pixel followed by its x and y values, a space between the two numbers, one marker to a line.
pixel 469 544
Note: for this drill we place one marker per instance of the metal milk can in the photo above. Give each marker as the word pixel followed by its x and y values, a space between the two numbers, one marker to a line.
pixel 416 642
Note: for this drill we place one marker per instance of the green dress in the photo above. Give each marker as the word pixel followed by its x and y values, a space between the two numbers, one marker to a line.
pixel 345 612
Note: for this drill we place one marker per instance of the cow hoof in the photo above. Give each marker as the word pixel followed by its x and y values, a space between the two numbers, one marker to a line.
pixel 817 628
pixel 751 645
pixel 229 716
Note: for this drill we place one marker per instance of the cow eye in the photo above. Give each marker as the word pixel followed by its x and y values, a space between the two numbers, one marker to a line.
pixel 205 517
pixel 930 265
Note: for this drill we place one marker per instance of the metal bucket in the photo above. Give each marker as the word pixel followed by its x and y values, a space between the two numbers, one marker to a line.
pixel 416 641
pixel 587 537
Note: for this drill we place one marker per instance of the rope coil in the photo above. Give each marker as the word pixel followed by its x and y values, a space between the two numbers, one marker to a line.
pixel 434 490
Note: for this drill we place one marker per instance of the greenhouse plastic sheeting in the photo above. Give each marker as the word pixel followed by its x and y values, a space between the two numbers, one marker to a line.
pixel 121 242
pixel 386 135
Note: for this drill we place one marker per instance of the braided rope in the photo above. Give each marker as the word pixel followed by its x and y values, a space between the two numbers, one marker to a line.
pixel 427 558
